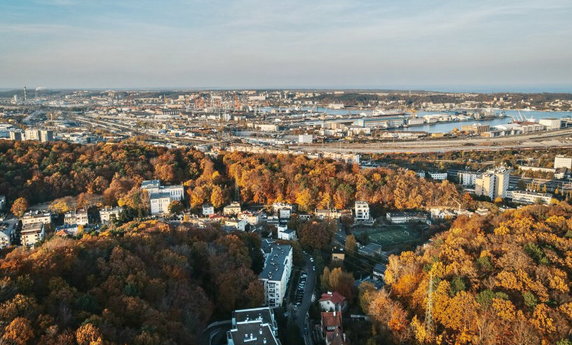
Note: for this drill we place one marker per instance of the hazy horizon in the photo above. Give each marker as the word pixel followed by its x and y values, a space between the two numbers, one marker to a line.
pixel 449 46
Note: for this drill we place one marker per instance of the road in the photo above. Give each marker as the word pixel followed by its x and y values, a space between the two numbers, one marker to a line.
pixel 558 138
pixel 302 314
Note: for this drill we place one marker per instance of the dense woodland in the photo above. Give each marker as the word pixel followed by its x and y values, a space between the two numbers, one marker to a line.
pixel 501 279
pixel 43 172
pixel 145 283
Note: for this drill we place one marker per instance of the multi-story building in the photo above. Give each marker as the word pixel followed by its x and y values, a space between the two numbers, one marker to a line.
pixel 160 197
pixel 493 183
pixel 78 217
pixel 361 210
pixel 253 326
pixel 32 233
pixel 406 217
pixel 160 202
pixel 563 162
pixel 276 273
pixel 7 233
pixel 526 197
pixel 108 214
pixel 439 176
pixel 208 210
pixel 36 217
pixel 232 210
pixel 467 178
pixel 332 328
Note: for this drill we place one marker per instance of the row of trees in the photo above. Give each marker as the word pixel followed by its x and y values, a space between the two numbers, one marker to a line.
pixel 143 283
pixel 501 279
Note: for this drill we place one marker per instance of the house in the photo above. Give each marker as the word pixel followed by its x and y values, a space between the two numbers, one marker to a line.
pixel 7 233
pixel 232 210
pixel 236 224
pixel 208 210
pixel 253 326
pixel 379 272
pixel 361 210
pixel 32 233
pixel 276 273
pixel 332 328
pixel 160 197
pixel 372 249
pixel 67 230
pixel 406 217
pixel 108 214
pixel 286 234
pixel 252 218
pixel 159 203
pixel 78 217
pixel 333 301
pixel 32 217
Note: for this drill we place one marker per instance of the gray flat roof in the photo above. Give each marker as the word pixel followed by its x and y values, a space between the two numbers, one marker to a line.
pixel 274 264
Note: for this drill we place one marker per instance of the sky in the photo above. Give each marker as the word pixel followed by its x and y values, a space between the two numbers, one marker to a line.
pixel 456 45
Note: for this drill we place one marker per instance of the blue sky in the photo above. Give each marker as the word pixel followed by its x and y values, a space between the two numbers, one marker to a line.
pixel 405 44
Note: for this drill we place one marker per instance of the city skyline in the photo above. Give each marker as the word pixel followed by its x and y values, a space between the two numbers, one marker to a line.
pixel 449 46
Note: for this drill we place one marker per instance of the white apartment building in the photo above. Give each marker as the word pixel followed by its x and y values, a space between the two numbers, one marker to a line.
pixel 36 217
pixel 361 210
pixel 525 197
pixel 232 210
pixel 161 196
pixel 563 162
pixel 32 233
pixel 438 176
pixel 208 210
pixel 76 217
pixel 467 178
pixel 253 326
pixel 276 274
pixel 493 183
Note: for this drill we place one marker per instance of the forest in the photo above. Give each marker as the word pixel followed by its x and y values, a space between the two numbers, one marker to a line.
pixel 146 283
pixel 497 279
pixel 41 172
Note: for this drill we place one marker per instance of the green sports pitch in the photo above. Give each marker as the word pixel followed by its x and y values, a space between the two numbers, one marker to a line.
pixel 390 235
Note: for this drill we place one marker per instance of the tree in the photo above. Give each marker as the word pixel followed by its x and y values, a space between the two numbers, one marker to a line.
pixel 19 206
pixel 217 197
pixel 176 207
pixel 350 246
pixel 19 331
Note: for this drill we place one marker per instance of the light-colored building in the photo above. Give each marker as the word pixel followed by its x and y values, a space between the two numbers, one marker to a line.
pixel 159 203
pixel 406 217
pixel 332 301
pixel 361 210
pixel 78 217
pixel 108 214
pixel 439 176
pixel 236 224
pixel 328 214
pixel 7 233
pixel 208 210
pixel 32 233
pixel 46 135
pixel 160 197
pixel 256 326
pixel 467 178
pixel 36 217
pixel 551 123
pixel 493 183
pixel 563 162
pixel 286 234
pixel 276 273
pixel 525 197
pixel 233 209
pixel 32 134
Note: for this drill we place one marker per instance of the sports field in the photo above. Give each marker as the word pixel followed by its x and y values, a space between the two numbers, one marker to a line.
pixel 389 235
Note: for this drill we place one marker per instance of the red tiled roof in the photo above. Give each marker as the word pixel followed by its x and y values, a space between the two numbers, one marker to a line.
pixel 331 319
pixel 334 297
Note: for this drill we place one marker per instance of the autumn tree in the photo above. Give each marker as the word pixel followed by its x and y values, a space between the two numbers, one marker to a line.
pixel 19 207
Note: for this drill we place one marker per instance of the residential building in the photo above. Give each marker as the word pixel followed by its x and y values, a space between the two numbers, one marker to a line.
pixel 333 301
pixel 328 214
pixel 208 210
pixel 563 162
pixel 406 217
pixel 379 272
pixel 160 202
pixel 493 183
pixel 32 134
pixel 332 328
pixel 467 178
pixel 286 234
pixel 233 209
pixel 276 274
pixel 256 326
pixel 252 218
pixel 439 176
pixel 32 217
pixel 78 217
pixel 235 224
pixel 46 135
pixel 526 197
pixel 32 233
pixel 16 135
pixel 361 210
pixel 108 214
pixel 7 232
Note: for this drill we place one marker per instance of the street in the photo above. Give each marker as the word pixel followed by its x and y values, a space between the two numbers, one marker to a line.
pixel 302 312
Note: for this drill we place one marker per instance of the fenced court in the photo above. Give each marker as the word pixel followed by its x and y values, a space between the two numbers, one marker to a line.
pixel 390 235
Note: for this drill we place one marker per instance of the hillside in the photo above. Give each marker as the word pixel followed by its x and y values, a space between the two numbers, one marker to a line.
pixel 488 280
